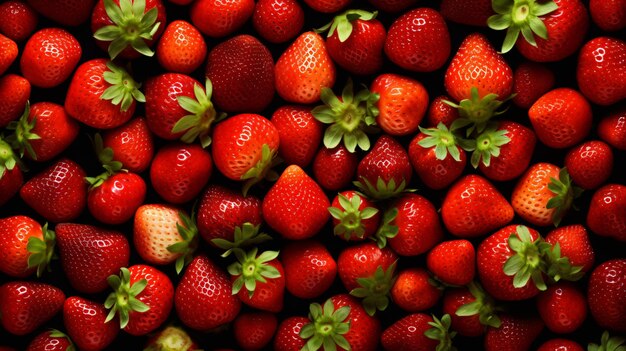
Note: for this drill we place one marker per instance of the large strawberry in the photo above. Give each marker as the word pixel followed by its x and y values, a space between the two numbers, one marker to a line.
pixel 220 18
pixel 606 295
pixel 599 74
pixel 25 306
pixel 453 262
pixel 19 20
pixel 590 164
pixel 278 21
pixel 414 291
pixel 299 132
pixel 65 12
pixel 85 323
pixel 418 332
pixel 25 246
pixel 516 333
pixel 354 216
pixel 182 48
pixel 562 307
pixel 309 268
pixel 263 278
pixel 132 144
pixel 606 216
pixel 14 93
pixel 254 330
pixel 334 168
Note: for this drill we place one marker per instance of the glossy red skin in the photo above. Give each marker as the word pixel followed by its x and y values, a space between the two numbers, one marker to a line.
pixel 407 334
pixel 299 132
pixel 440 112
pixel 392 5
pixel 55 128
pixel 531 194
pixel 362 52
pixel 562 307
pixel 17 20
pixel 530 81
pixel 182 48
pixel 65 12
pixel 89 255
pixel 252 88
pixel 364 330
pixel 606 216
pixel 254 330
pixel 309 268
pixel 574 243
pixel 99 19
pixel 471 13
pixel 15 232
pixel 10 183
pixel 58 193
pixel 267 296
pixel 203 297
pixel 334 169
pixel 560 345
pixel 287 336
pixel 25 306
pixel 413 292
pixel 278 21
pixel 608 15
pixel 590 164
pixel 46 342
pixel 419 228
pixel 84 322
pixel 14 92
pixel 327 6
pixel 370 225
pixel 219 19
pixel 435 174
pixel 467 325
pixel 361 261
pixel 474 207
pixel 8 52
pixel 132 144
pixel 606 295
pixel 116 200
pixel 453 262
pixel 418 40
pixel 600 73
pixel 515 334
pixel 514 156
pixel 386 160
pixel 179 171
pixel 83 102
pixel 49 57
pixel 612 129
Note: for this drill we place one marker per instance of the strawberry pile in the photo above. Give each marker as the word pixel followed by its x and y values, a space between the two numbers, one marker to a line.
pixel 218 175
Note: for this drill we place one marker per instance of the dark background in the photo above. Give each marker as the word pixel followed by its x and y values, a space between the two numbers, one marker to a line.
pixel 81 152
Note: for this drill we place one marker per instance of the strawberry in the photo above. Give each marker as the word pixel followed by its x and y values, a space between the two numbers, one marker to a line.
pixel 14 93
pixel 182 48
pixel 163 234
pixel 65 12
pixel 453 262
pixel 179 171
pixel 304 69
pixel 58 193
pixel 8 53
pixel 309 268
pixel 287 336
pixel 560 345
pixel 471 13
pixel 418 40
pixel 52 340
pixel 245 147
pixel 599 74
pixel 17 20
pixel 251 271
pixel 278 21
pixel 219 19
pixel 392 5
pixel 25 306
pixel 49 57
pixel 605 216
pixel 612 129
pixel 516 333
pixel 418 332
pixel 26 246
pixel 440 112
pixel 252 88
pixel 401 105
pixel 299 133
pixel 562 307
pixel 471 310
pixel 327 6
pixel 142 297
pixel 474 207
pixel 608 15
pixel 334 168
pixel 530 81
pixel 174 338
pixel 102 95
pixel 89 255
pixel 354 216
pixel 574 244
pixel 413 292
pixel 11 180
pixel 355 41
pixel 590 164
pixel 295 206
pixel 254 330
pixel 131 143
pixel 127 27
pixel 84 322
pixel 210 307
pixel 606 295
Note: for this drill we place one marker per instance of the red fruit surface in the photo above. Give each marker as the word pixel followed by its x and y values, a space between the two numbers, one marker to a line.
pixel 606 295
pixel 562 307
pixel 278 21
pixel 17 20
pixel 309 268
pixel 25 306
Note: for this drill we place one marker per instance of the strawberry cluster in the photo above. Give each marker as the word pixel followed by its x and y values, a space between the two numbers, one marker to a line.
pixel 216 174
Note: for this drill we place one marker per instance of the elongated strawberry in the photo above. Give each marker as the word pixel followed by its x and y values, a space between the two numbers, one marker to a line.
pixel 84 322
pixel 598 72
pixel 453 262
pixel 278 21
pixel 132 144
pixel 418 332
pixel 263 278
pixel 65 12
pixel 18 20
pixel 52 340
pixel 605 216
pixel 531 81
pixel 418 226
pixel 299 132
pixel 334 169
pixel 309 268
pixel 606 295
pixel 14 93
pixel 354 216
pixel 471 310
pixel 413 290
pixel 182 48
pixel 562 307
pixel 516 333
pixel 25 306
pixel 219 19
pixel 254 330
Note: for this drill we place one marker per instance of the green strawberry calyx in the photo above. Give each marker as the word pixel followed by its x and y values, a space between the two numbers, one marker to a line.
pixel 8 158
pixel 189 232
pixel 262 169
pixel 327 328
pixel 57 334
pixel 350 217
pixel 171 339
pixel 441 331
pixel 527 260
pixel 251 269
pixel 375 290
pixel 382 190
pixel 197 124
pixel 387 229
pixel 488 144
pixel 445 142
pixel 520 16
pixel 105 156
pixel 132 26
pixel 609 343
pixel 22 135
pixel 559 267
pixel 476 112
pixel 349 118
pixel 483 306
pixel 123 299
pixel 342 24
pixel 124 90
pixel 41 251
pixel 564 195
pixel 245 235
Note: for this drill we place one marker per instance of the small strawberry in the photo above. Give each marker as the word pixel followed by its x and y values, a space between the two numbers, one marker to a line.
pixel 516 333
pixel 327 6
pixel 560 345
pixel 17 20
pixel 278 21
pixel 299 132
pixel 254 330
pixel 132 144
pixel 418 332
pixel 608 15
pixel 84 322
pixel 562 307
pixel 413 291
pixel 25 246
pixel 218 18
pixel 471 13
pixel 25 306
pixel 453 262
pixel 590 164
pixel 172 338
pixel 287 336
pixel 471 310
pixel 309 268
pixel 530 81
pixel 599 74
pixel 52 340
pixel 606 216
pixel 392 5
pixel 440 112
pixel 263 277
pixel 612 129
pixel 354 216
pixel 334 169
pixel 14 94
pixel 606 295
pixel 182 48
pixel 573 242
pixel 8 53
pixel 65 12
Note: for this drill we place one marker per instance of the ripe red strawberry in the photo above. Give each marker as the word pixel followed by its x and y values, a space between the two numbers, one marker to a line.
pixel 8 53
pixel 254 330
pixel 392 5
pixel 453 262
pixel 25 246
pixel 418 40
pixel 65 12
pixel 304 69
pixel 17 20
pixel 471 310
pixel 354 216
pixel 309 268
pixel 474 207
pixel 590 164
pixel 252 88
pixel 102 95
pixel 89 255
pixel 440 112
pixel 612 129
pixel 515 334
pixel 327 6
pixel 171 337
pixel 412 290
pixel 14 93
pixel 182 48
pixel 84 322
pixel 530 81
pixel 606 295
pixel 25 306
pixel 263 277
pixel 205 309
pixel 471 13
pixel 418 332
pixel 278 21
pixel 295 206
pixel 599 74
pixel 608 15
pixel 287 336
pixel 218 18
pixel 132 144
pixel 560 345
pixel 58 193
pixel 605 216
pixel 562 307
pixel 299 132
pixel 402 103
pixel 574 244
pixel 334 169
pixel 49 57
pixel 11 180
pixel 52 340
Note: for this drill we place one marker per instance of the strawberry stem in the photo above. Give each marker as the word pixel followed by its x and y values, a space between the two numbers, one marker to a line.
pixel 445 142
pixel 476 111
pixel 387 230
pixel 351 218
pixel 527 262
pixel 441 331
pixel 483 306
pixel 251 269
pixel 22 135
pixel 105 156
pixel 343 23
pixel 189 232
pixel 246 235
pixel 327 327
pixel 488 145
pixel 8 159
pixel 564 195
pixel 123 90
pixel 41 251
pixel 262 169
pixel 123 299
pixel 374 290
